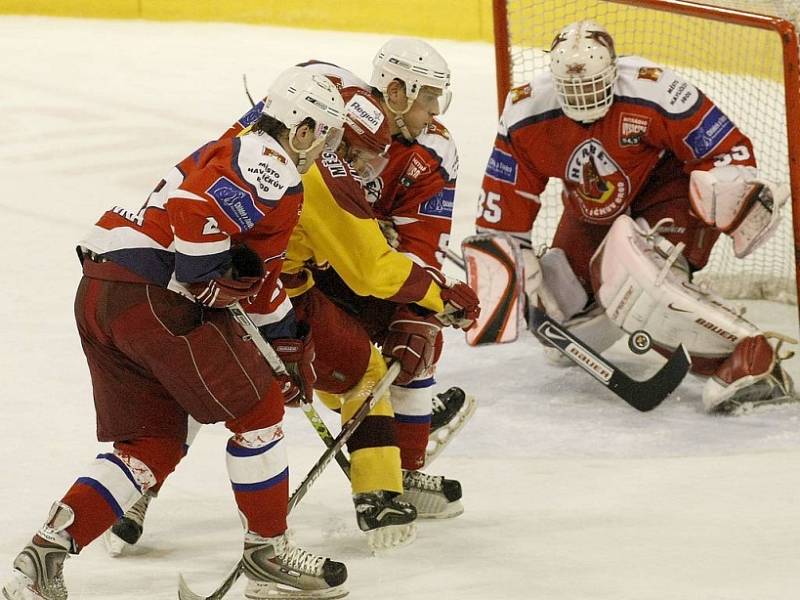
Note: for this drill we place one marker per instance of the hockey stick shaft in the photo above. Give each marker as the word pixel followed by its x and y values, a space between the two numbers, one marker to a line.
pixel 348 429
pixel 642 395
pixel 455 259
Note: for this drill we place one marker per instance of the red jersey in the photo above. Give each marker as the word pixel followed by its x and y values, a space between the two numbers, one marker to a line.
pixel 416 192
pixel 604 164
pixel 235 190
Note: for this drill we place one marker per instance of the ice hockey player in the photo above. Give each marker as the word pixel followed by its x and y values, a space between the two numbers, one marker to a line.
pixel 653 172
pixel 160 344
pixel 413 198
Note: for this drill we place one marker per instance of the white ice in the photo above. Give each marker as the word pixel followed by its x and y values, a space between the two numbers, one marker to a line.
pixel 569 493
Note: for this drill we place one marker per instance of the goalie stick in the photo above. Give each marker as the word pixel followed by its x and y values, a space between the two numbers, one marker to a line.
pixel 641 395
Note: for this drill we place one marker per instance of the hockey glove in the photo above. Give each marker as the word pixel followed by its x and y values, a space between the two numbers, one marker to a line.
pixel 241 282
pixel 298 356
pixel 461 304
pixel 410 341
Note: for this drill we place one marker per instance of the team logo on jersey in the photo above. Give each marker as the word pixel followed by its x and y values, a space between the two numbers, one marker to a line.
pixel 520 93
pixel 597 180
pixel 440 206
pixel 276 155
pixel 236 202
pixel 502 167
pixel 632 129
pixel 650 73
pixel 712 129
pixel 414 170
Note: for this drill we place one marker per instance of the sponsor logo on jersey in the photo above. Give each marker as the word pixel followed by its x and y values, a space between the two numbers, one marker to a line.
pixel 632 129
pixel 236 202
pixel 650 73
pixel 521 92
pixel 440 205
pixel 416 167
pixel 598 182
pixel 252 115
pixel 362 111
pixel 502 167
pixel 709 133
pixel 373 189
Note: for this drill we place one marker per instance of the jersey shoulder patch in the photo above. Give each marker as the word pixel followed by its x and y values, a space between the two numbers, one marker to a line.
pixel 664 90
pixel 264 164
pixel 441 147
pixel 535 101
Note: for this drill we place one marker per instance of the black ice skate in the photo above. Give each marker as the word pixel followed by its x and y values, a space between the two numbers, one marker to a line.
pixel 276 568
pixel 128 528
pixel 38 569
pixel 450 412
pixel 433 496
pixel 387 520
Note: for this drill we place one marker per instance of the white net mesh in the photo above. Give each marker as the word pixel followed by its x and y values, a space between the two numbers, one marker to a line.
pixel 739 67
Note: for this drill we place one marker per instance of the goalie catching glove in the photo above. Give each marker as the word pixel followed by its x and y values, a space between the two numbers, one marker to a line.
pixel 298 355
pixel 737 202
pixel 242 281
pixel 461 304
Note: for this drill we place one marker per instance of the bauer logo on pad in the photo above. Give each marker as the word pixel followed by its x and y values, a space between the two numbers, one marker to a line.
pixel 235 202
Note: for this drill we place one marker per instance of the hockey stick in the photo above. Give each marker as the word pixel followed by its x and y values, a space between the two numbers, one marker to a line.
pixel 641 395
pixel 455 259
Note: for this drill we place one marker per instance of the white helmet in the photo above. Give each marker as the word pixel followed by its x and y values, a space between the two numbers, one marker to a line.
pixel 416 64
pixel 297 94
pixel 583 63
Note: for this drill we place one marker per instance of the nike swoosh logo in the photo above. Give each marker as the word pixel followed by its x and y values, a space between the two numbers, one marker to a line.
pixel 676 309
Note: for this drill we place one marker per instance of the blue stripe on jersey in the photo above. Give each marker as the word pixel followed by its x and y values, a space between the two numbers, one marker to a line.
pixel 189 269
pixel 111 457
pixel 150 263
pixel 261 485
pixel 419 383
pixel 414 419
pixel 235 449
pixel 103 491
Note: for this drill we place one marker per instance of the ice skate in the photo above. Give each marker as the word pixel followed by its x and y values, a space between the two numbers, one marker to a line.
pixel 433 496
pixel 450 412
pixel 277 569
pixel 387 520
pixel 126 532
pixel 38 569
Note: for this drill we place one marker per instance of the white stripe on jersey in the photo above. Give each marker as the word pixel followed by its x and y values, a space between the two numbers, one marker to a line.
pixel 102 240
pixel 444 148
pixel 201 248
pixel 261 319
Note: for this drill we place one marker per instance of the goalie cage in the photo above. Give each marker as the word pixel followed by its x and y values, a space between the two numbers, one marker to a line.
pixel 742 53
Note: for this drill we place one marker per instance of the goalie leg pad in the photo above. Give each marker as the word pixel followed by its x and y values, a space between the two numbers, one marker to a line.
pixel 551 283
pixel 494 271
pixel 638 279
pixel 594 328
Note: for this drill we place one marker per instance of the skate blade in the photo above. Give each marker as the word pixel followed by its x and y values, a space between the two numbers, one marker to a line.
pixel 735 408
pixel 440 438
pixel 19 587
pixel 391 537
pixel 449 510
pixel 269 590
pixel 115 546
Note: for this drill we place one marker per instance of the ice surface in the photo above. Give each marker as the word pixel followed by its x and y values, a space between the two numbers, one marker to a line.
pixel 569 493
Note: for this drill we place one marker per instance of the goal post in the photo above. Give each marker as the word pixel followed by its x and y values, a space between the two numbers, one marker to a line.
pixel 742 53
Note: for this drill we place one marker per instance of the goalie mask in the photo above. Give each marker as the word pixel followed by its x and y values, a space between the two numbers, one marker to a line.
pixel 298 94
pixel 366 134
pixel 583 64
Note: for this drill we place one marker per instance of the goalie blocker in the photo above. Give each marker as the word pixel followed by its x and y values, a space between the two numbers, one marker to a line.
pixel 643 283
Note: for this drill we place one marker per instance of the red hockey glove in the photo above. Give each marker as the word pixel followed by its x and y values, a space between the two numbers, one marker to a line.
pixel 241 282
pixel 410 340
pixel 461 304
pixel 298 356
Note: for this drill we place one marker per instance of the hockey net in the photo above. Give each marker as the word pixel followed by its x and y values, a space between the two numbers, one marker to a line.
pixel 745 62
